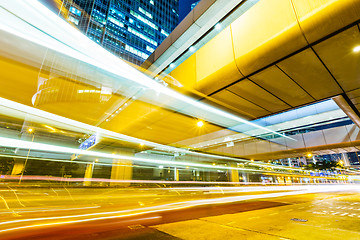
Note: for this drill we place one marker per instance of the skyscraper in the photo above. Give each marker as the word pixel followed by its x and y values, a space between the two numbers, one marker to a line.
pixel 131 29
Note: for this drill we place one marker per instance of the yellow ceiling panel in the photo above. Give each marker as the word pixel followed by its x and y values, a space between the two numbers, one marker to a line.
pixel 18 81
pixel 154 123
pixel 357 106
pixel 275 81
pixel 319 18
pixel 173 127
pixel 355 100
pixel 353 94
pixel 265 33
pixel 307 70
pixel 135 115
pixel 89 109
pixel 215 66
pixel 186 72
pixel 338 55
pixel 244 107
pixel 89 113
pixel 252 92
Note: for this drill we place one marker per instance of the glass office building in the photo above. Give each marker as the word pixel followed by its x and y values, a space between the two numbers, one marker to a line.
pixel 131 29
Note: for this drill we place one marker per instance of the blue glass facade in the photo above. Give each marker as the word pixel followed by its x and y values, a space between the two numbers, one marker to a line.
pixel 131 29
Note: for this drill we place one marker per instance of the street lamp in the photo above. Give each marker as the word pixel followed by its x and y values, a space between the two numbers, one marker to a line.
pixel 200 123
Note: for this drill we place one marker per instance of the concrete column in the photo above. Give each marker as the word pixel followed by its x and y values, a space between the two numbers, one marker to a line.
pixel 121 168
pixel 245 177
pixel 18 167
pixel 88 174
pixel 289 162
pixel 302 161
pixel 27 134
pixel 234 173
pixel 346 160
pixel 176 174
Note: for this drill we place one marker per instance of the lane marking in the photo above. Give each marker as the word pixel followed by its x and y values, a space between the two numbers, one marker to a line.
pixel 135 227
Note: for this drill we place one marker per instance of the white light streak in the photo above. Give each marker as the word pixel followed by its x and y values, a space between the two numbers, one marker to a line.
pixel 166 207
pixel 78 46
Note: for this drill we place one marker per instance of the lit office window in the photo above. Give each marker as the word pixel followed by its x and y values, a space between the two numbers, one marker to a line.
pixel 136 52
pixel 145 12
pixel 73 20
pixel 150 49
pixel 75 11
pixel 194 5
pixel 142 36
pixel 98 16
pixel 165 33
pixel 115 21
pixel 144 20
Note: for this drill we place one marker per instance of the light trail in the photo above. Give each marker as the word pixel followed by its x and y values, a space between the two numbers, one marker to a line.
pixel 86 127
pixel 78 46
pixel 15 143
pixel 37 210
pixel 169 207
pixel 62 179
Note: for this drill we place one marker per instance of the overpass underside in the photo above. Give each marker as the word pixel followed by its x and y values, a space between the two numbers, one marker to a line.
pixel 276 56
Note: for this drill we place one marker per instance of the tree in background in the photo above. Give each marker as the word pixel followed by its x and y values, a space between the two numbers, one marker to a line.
pixel 324 165
pixel 6 165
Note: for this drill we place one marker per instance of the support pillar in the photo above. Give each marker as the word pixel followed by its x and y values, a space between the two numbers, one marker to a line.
pixel 314 160
pixel 289 162
pixel 176 174
pixel 245 177
pixel 88 174
pixel 27 134
pixel 18 167
pixel 234 173
pixel 121 168
pixel 346 160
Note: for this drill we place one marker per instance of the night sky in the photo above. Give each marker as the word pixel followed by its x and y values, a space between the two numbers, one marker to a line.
pixel 184 8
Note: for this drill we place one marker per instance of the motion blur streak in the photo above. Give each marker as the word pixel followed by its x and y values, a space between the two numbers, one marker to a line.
pixel 80 47
pixel 63 179
pixel 14 143
pixel 69 222
pixel 174 206
pixel 86 127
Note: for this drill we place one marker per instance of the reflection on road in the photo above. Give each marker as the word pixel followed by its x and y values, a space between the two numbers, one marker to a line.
pixel 39 209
